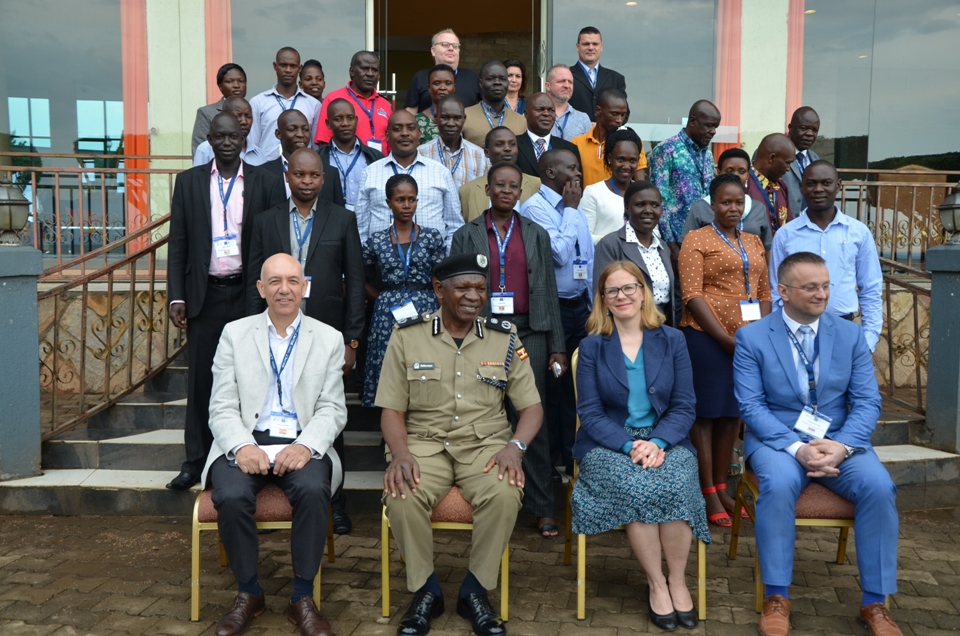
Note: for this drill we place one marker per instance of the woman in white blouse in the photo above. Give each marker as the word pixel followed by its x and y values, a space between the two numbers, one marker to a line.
pixel 638 241
pixel 602 202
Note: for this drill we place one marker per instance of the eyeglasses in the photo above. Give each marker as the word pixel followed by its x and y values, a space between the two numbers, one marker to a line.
pixel 448 45
pixel 610 293
pixel 810 289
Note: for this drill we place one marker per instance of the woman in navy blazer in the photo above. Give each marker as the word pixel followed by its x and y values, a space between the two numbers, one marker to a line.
pixel 637 466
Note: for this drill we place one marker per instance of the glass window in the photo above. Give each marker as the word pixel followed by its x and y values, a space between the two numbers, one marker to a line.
pixel 29 122
pixel 99 126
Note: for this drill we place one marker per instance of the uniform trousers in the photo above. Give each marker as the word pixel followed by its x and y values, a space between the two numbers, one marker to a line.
pixel 235 498
pixel 495 507
pixel 220 306
pixel 862 480
pixel 538 489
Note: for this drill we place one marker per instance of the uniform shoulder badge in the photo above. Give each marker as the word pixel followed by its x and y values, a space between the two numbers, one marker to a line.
pixel 522 353
pixel 500 325
pixel 413 320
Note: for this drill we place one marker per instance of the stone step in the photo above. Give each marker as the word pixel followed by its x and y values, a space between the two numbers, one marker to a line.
pixel 173 379
pixel 911 465
pixel 894 429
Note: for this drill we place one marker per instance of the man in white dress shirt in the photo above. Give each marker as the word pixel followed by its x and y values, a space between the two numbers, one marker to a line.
pixel 285 95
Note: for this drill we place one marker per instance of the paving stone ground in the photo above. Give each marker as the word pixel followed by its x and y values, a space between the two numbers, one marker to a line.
pixel 113 576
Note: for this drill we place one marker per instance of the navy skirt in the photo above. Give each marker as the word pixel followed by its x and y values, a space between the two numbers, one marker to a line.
pixel 712 376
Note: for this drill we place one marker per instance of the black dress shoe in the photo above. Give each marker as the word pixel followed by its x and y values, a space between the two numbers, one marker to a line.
pixel 184 481
pixel 476 608
pixel 688 619
pixel 416 622
pixel 666 622
pixel 341 521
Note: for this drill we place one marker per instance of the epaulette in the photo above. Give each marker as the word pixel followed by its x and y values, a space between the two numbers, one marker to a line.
pixel 406 322
pixel 499 325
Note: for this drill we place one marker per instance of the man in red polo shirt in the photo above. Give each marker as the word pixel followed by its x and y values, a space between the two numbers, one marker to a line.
pixel 373 111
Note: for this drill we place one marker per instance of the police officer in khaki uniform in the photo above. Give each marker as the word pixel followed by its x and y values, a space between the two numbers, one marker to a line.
pixel 442 390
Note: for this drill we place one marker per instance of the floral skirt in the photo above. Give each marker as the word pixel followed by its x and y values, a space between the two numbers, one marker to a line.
pixel 612 491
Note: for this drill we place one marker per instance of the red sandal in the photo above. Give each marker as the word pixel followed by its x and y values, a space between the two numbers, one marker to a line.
pixel 743 511
pixel 719 519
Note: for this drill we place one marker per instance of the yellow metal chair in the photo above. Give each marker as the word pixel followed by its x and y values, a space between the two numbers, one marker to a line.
pixel 274 512
pixel 452 513
pixel 582 540
pixel 817 506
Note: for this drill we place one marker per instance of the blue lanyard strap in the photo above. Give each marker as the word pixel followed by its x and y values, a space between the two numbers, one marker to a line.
pixel 368 113
pixel 485 108
pixel 563 127
pixel 334 152
pixel 283 365
pixel 614 187
pixel 293 103
pixel 502 248
pixel 301 239
pixel 808 364
pixel 443 158
pixel 405 258
pixel 766 199
pixel 225 198
pixel 742 253
pixel 409 170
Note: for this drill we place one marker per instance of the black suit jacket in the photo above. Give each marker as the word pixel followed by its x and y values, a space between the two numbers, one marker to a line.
pixel 527 156
pixel 584 96
pixel 191 237
pixel 369 155
pixel 332 189
pixel 334 263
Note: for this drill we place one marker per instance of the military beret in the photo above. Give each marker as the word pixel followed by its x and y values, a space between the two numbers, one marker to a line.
pixel 460 264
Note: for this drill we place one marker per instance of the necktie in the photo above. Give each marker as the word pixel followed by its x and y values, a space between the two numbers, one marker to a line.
pixel 540 146
pixel 801 162
pixel 805 337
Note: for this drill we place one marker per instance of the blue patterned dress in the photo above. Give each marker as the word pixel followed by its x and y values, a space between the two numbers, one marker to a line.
pixel 428 250
pixel 612 491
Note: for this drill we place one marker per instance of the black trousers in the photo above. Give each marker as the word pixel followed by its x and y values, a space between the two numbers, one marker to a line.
pixel 235 498
pixel 220 306
pixel 560 411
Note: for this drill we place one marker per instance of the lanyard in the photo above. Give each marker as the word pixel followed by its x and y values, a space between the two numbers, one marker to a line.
pixel 557 125
pixel 808 364
pixel 766 199
pixel 344 174
pixel 293 104
pixel 590 77
pixel 502 248
pixel 742 253
pixel 283 365
pixel 368 113
pixel 443 159
pixel 225 197
pixel 614 187
pixel 405 258
pixel 409 170
pixel 301 239
pixel 484 107
pixel 698 161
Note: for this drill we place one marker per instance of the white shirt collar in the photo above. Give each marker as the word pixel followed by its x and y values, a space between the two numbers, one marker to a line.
pixel 356 146
pixel 534 138
pixel 793 325
pixel 631 236
pixel 273 330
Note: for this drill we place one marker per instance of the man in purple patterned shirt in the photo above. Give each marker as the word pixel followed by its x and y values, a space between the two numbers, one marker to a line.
pixel 682 168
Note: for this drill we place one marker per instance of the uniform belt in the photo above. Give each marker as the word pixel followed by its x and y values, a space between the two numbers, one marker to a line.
pixel 226 281
pixel 572 302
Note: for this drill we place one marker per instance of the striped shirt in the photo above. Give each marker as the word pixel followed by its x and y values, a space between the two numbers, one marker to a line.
pixel 465 165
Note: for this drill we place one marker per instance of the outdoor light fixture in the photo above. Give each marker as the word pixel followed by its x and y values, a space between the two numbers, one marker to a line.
pixel 810 11
pixel 14 211
pixel 950 215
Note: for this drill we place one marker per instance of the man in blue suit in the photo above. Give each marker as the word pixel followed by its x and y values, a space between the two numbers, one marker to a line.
pixel 809 397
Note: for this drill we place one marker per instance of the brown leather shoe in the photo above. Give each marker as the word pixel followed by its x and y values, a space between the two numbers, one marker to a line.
pixel 237 620
pixel 876 617
pixel 305 615
pixel 775 620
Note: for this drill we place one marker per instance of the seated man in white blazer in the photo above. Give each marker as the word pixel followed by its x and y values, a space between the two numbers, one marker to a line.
pixel 276 407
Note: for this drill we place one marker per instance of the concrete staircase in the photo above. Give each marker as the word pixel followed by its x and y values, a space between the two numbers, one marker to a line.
pixel 121 462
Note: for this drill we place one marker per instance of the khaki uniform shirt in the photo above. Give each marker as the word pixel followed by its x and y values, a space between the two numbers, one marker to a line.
pixel 447 392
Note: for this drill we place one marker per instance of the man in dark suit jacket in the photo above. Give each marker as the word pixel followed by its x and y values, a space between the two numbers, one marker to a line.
pixel 343 146
pixel 534 310
pixel 324 238
pixel 293 131
pixel 803 129
pixel 206 269
pixel 541 114
pixel 589 78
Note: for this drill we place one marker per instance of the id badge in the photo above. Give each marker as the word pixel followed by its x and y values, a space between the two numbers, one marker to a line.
pixel 376 144
pixel 226 245
pixel 283 424
pixel 309 280
pixel 813 424
pixel 404 312
pixel 579 270
pixel 749 310
pixel 502 303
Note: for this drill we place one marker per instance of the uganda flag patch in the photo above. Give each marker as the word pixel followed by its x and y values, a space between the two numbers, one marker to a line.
pixel 522 353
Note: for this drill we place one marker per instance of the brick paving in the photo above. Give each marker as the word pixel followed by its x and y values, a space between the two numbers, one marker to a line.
pixel 112 576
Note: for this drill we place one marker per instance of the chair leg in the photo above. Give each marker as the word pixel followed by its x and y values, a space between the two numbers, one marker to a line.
pixel 737 507
pixel 757 584
pixel 568 534
pixel 385 564
pixel 842 546
pixel 316 589
pixel 505 584
pixel 581 576
pixel 195 571
pixel 224 561
pixel 331 552
pixel 702 579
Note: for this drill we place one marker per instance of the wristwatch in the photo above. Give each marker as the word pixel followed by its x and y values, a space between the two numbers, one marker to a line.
pixel 354 343
pixel 519 444
pixel 850 450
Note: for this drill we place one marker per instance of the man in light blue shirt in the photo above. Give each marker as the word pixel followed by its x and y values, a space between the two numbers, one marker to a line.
pixel 845 243
pixel 555 208
pixel 249 153
pixel 285 95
